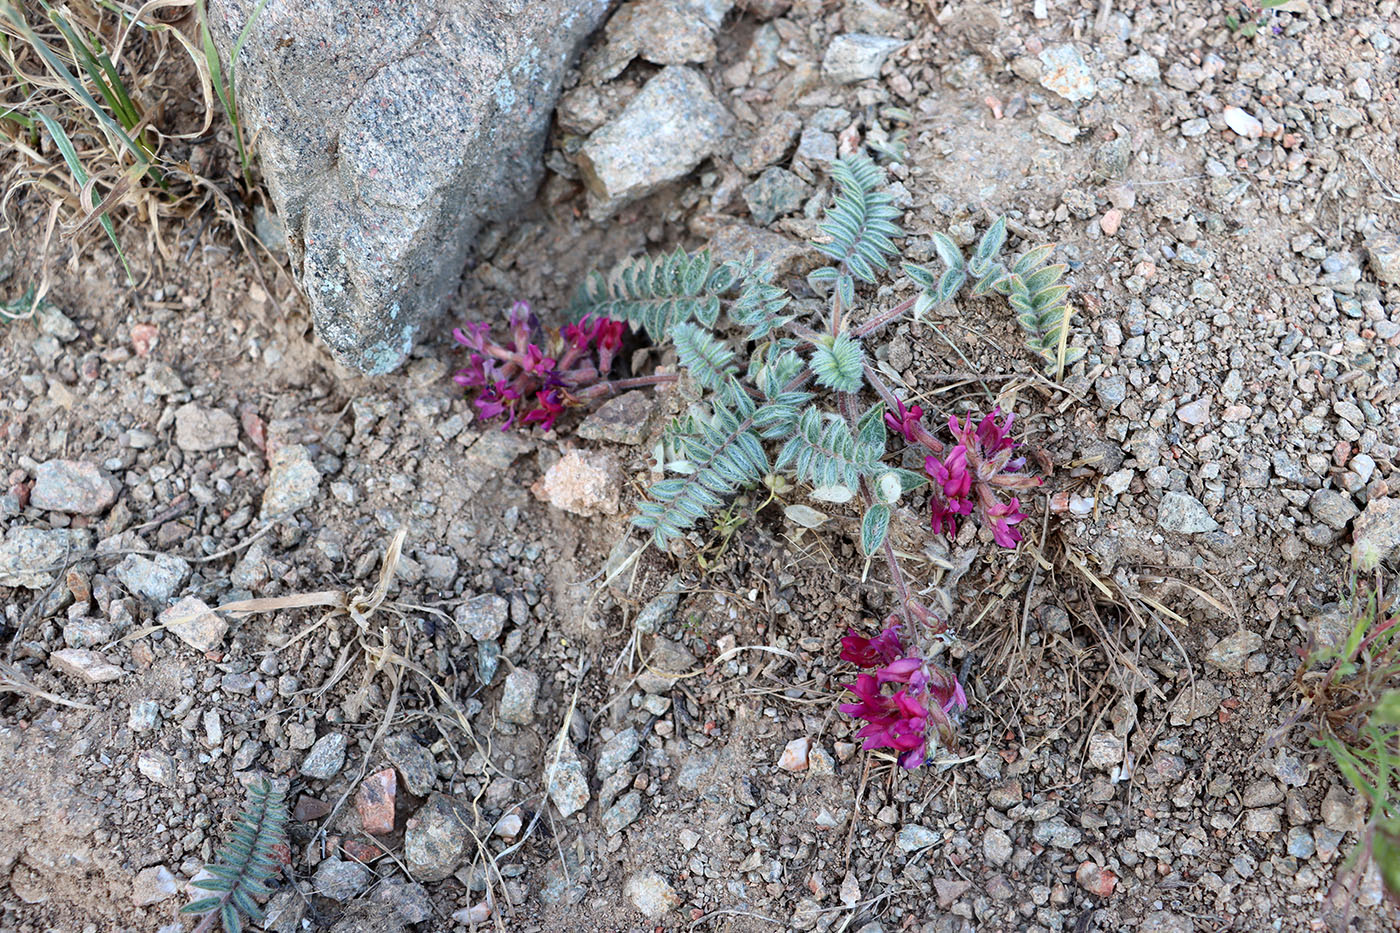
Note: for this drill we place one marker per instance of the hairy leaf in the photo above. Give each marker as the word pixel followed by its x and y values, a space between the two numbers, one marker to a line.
pixel 840 364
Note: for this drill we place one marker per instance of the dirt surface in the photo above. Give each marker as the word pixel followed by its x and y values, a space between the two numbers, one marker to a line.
pixel 1127 666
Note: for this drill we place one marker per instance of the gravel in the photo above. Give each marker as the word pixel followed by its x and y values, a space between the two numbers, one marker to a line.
pixel 199 430
pixel 857 57
pixel 326 757
pixel 436 837
pixel 484 617
pixel 156 578
pixel 73 486
pixel 652 894
pixel 518 697
pixel 340 880
pixel 194 623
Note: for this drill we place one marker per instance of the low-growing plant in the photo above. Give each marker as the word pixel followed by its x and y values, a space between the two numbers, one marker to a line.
pixel 238 881
pixel 792 397
pixel 1351 699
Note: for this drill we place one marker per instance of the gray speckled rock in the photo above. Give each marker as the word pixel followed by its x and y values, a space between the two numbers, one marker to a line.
pixel 73 486
pixel 857 57
pixel 26 554
pixel 1384 255
pixel 326 757
pixel 340 880
pixel 293 482
pixel 156 578
pixel 436 838
pixel 389 133
pixel 672 124
pixel 1183 514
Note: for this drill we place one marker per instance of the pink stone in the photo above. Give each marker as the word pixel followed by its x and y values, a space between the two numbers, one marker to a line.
pixel 1110 221
pixel 1096 880
pixel 794 757
pixel 375 802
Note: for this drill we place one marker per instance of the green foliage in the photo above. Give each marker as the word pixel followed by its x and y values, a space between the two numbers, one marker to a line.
pixel 225 82
pixel 1355 700
pixel 246 864
pixel 764 376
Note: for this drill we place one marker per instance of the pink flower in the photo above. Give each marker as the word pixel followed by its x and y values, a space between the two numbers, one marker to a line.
pixel 905 421
pixel 872 652
pixel 549 409
pixel 1001 517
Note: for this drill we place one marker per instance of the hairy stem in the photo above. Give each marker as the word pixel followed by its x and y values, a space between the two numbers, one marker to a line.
pixel 883 318
pixel 622 385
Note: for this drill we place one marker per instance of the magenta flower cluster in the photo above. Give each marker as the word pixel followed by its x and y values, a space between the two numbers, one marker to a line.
pixel 517 381
pixel 970 476
pixel 921 696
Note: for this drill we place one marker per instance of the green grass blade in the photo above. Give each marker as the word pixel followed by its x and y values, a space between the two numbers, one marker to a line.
pixel 70 156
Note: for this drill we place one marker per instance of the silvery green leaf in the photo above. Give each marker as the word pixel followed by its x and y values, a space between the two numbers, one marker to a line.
pixel 922 304
pixel 993 239
pixel 948 251
pixel 805 515
pixel 874 527
pixel 836 493
pixel 922 277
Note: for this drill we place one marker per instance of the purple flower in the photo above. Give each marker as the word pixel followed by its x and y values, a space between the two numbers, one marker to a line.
pixel 872 652
pixel 905 422
pixel 1002 517
pixel 974 473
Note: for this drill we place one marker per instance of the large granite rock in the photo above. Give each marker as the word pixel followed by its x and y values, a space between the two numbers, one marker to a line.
pixel 389 134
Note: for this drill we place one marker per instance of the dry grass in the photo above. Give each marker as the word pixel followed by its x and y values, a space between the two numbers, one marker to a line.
pixel 111 116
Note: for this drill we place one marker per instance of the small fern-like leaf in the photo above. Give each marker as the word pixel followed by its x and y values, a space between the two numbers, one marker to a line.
pixel 248 861
pixel 655 293
pixel 861 220
pixel 1039 299
pixel 708 360
pixel 874 527
pixel 839 364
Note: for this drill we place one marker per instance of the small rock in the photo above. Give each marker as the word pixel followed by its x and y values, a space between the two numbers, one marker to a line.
pixel 1105 751
pixel 567 783
pixel 857 57
pixel 914 837
pixel 1262 821
pixel 1230 653
pixel 950 891
pixel 1383 253
pixel 660 32
pixel 1197 412
pixel 84 665
pixel 27 554
pixel 651 894
pixel 668 662
pixel 1164 921
pixel 1375 536
pixel 326 757
pixel 410 901
pixel 375 802
pixel 1096 879
pixel 996 847
pixel 773 194
pixel 518 697
pixel 682 123
pixel 293 481
pixel 1056 128
pixel 144 716
pixel 157 766
pixel 1262 793
pixel 202 429
pixel 1111 220
pixel 821 762
pixel 794 756
pixel 1066 74
pixel 1056 832
pixel 617 751
pixel 415 764
pixel 153 885
pixel 1193 703
pixel 816 149
pixel 74 486
pixel 1343 812
pixel 1143 68
pixel 1183 514
pixel 1243 123
pixel 1300 843
pixel 435 839
pixel 310 808
pixel 769 144
pixel 623 813
pixel 622 420
pixel 195 624
pixel 340 880
pixel 1332 508
pixel 786 255
pixel 477 914
pixel 484 617
pixel 583 482
pixel 156 578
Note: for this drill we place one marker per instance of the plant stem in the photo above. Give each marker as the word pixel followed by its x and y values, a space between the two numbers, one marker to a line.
pixel 883 318
pixel 622 385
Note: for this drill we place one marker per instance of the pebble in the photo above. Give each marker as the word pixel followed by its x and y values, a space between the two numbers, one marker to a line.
pixel 1110 221
pixel 74 486
pixel 1230 653
pixel 816 148
pixel 567 783
pixel 1164 921
pixel 996 847
pixel 794 756
pixel 622 420
pixel 326 757
pixel 153 885
pixel 651 894
pixel 27 551
pixel 667 663
pixel 1375 537
pixel 1193 703
pixel 617 751
pixel 913 837
pixel 1342 811
pixel 682 122
pixel 374 801
pixel 1143 68
pixel 475 915
pixel 157 578
pixel 1197 412
pixel 857 56
pixel 415 763
pixel 1111 391
pixel 144 716
pixel 293 482
pixel 1262 793
pixel 1105 751
pixel 662 33
pixel 90 667
pixel 410 901
pixel 1332 508
pixel 1066 74
pixel 623 813
pixel 1096 879
pixel 435 839
pixel 582 482
pixel 1383 254
pixel 1263 821
pixel 773 194
pixel 484 617
pixel 1243 123
pixel 340 880
pixel 1056 832
pixel 194 623
pixel 157 766
pixel 518 697
pixel 198 430
pixel 1056 128
pixel 1180 513
pixel 1300 843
